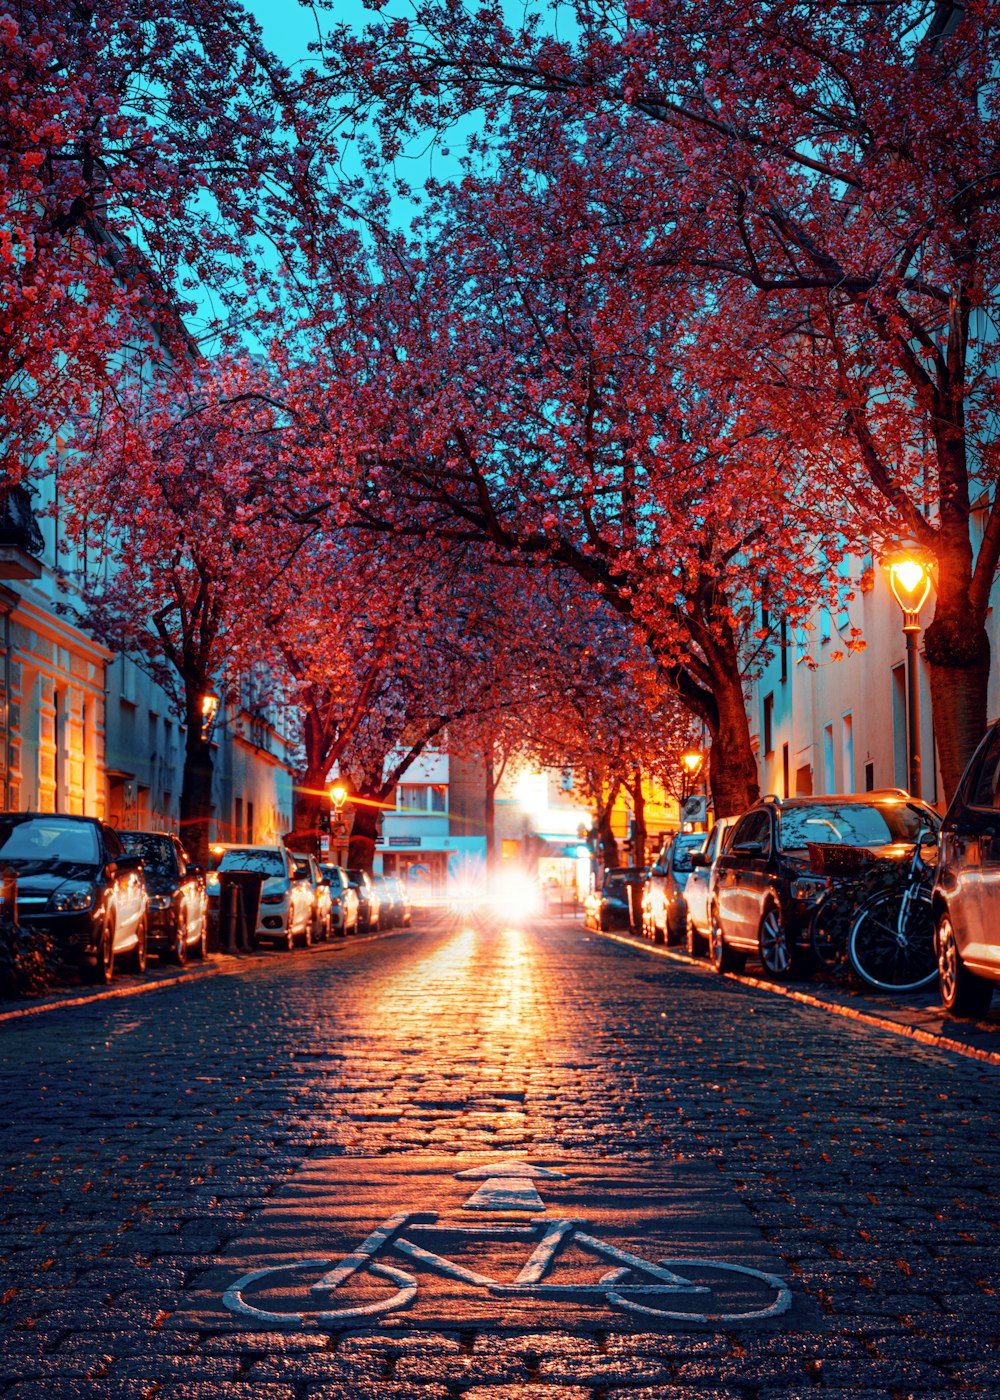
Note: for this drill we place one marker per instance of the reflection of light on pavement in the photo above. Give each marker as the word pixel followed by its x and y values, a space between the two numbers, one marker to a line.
pixel 515 897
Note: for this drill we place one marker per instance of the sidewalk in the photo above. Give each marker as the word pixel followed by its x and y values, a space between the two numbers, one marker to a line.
pixel 919 1016
pixel 160 975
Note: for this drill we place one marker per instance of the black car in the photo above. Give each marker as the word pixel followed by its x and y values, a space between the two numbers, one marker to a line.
pixel 178 903
pixel 764 888
pixel 76 881
pixel 966 897
pixel 608 907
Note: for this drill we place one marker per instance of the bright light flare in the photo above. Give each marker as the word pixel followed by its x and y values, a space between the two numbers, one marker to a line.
pixel 515 897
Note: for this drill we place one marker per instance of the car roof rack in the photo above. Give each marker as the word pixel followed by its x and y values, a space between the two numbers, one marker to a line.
pixel 771 797
pixel 889 792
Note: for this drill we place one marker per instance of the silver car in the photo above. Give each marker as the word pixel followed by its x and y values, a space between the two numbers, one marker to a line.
pixel 698 890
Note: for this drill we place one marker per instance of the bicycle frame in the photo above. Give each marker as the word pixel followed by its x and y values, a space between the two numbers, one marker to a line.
pixel 405 1233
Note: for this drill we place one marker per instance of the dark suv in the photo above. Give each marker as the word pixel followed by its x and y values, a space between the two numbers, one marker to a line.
pixel 966 895
pixel 764 888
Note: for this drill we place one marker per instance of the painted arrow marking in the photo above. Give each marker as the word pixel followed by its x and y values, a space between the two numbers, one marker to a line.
pixel 507 1186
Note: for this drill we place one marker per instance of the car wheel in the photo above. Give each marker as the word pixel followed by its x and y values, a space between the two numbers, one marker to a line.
pixel 774 946
pixel 200 948
pixel 104 968
pixel 307 933
pixel 289 939
pixel 962 992
pixel 135 958
pixel 724 958
pixel 179 950
pixel 659 934
pixel 695 941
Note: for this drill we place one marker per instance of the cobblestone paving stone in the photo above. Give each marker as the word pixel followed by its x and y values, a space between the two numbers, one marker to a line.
pixel 142 1136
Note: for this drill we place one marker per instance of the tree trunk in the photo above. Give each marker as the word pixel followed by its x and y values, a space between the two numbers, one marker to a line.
pixel 311 805
pixel 639 822
pixel 957 649
pixel 364 834
pixel 196 791
pixel 608 844
pixel 490 823
pixel 732 767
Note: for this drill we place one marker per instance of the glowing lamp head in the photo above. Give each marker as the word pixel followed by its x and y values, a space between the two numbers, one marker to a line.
pixel 692 760
pixel 338 795
pixel 209 710
pixel 910 581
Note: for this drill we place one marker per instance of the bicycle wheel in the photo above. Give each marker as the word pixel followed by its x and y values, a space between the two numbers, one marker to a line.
pixel 828 931
pixel 742 1294
pixel 890 952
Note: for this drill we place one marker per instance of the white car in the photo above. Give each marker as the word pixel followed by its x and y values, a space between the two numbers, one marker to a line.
pixel 343 900
pixel 286 904
pixel 698 889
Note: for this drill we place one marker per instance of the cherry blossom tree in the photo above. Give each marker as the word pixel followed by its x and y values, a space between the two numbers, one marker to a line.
pixel 185 512
pixel 146 155
pixel 832 170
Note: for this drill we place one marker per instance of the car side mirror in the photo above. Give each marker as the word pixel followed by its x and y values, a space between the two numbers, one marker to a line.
pixel 698 860
pixel 194 872
pixel 128 864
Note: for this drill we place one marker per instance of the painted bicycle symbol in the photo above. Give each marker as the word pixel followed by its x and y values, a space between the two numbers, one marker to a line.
pixel 635 1285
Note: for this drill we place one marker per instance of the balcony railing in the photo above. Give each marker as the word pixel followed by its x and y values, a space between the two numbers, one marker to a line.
pixel 21 542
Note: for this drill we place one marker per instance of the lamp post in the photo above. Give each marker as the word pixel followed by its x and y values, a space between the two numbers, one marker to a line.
pixel 910 581
pixel 338 796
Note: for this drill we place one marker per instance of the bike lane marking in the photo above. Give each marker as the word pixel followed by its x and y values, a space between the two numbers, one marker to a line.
pixel 684 1247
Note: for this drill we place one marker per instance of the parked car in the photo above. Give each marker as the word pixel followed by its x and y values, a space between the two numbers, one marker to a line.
pixel 401 895
pixel 178 903
pixel 343 900
pixel 307 871
pixel 392 915
pixel 665 913
pixel 286 904
pixel 966 896
pixel 607 908
pixel 697 891
pixel 764 889
pixel 369 905
pixel 76 881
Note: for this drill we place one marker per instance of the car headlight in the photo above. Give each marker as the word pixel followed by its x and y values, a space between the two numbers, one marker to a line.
pixel 808 887
pixel 160 901
pixel 273 898
pixel 75 897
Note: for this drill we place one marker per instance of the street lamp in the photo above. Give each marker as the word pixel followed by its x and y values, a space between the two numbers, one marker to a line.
pixel 338 796
pixel 910 581
pixel 209 710
pixel 691 761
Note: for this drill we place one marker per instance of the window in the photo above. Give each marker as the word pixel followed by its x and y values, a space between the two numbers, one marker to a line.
pixel 900 776
pixel 250 827
pixel 850 824
pixel 869 776
pixel 847 750
pixel 829 765
pixel 783 648
pixel 439 798
pixel 238 817
pixel 768 726
pixel 784 770
pixel 754 828
pixel 985 788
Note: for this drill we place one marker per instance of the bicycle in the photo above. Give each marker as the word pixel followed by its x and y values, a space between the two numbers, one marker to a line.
pixel 891 944
pixel 633 1285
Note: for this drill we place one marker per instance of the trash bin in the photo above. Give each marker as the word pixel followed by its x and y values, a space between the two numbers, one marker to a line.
pixel 239 905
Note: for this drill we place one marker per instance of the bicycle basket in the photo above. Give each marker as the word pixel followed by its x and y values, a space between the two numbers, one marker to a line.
pixel 841 862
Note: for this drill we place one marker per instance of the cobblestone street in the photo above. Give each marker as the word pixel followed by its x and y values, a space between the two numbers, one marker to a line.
pixel 157 1147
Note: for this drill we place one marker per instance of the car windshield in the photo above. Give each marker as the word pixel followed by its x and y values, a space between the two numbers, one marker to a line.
pixel 157 851
pixel 684 847
pixel 55 839
pixel 851 824
pixel 332 874
pixel 267 863
pixel 615 885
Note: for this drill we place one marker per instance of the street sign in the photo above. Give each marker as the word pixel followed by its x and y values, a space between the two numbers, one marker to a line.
pixel 340 831
pixel 694 808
